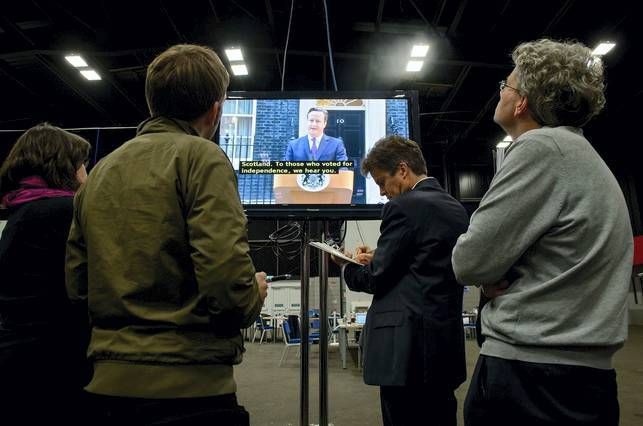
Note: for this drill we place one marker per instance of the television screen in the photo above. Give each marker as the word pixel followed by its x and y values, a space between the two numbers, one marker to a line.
pixel 299 154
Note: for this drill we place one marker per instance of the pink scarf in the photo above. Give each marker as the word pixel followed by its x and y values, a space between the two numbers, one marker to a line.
pixel 33 188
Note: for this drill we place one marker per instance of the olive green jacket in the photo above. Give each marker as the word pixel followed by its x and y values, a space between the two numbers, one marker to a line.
pixel 158 248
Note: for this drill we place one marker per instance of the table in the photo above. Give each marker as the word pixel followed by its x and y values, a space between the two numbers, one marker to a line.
pixel 343 330
pixel 274 321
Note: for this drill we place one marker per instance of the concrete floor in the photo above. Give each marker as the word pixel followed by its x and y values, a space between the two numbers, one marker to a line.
pixel 271 393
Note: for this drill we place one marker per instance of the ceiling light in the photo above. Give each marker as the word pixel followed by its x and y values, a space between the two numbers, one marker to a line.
pixel 90 74
pixel 419 50
pixel 603 48
pixel 234 54
pixel 76 61
pixel 239 69
pixel 414 66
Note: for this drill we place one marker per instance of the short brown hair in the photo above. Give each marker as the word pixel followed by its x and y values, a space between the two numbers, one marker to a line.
pixel 185 81
pixel 47 151
pixel 318 109
pixel 390 151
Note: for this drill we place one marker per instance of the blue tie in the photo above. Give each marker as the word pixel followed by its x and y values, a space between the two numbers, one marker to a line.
pixel 313 150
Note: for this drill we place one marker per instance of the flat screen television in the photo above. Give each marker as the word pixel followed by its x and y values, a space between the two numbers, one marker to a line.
pixel 284 173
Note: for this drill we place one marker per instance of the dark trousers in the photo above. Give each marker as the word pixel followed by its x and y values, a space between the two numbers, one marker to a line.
pixel 508 392
pixel 220 410
pixel 418 405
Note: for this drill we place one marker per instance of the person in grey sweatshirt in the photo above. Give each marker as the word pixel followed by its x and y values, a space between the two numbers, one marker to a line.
pixel 551 245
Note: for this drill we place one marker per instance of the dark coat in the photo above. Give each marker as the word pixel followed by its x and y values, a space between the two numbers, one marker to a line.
pixel 413 331
pixel 43 337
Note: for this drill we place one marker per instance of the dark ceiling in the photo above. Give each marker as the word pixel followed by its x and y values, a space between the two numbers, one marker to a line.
pixel 470 45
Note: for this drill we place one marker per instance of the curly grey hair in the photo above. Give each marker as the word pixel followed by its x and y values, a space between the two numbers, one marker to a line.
pixel 563 81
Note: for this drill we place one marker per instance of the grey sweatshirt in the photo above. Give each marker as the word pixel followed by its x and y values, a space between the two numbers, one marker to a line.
pixel 555 224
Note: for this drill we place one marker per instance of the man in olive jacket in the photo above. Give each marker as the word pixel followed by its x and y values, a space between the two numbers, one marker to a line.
pixel 158 247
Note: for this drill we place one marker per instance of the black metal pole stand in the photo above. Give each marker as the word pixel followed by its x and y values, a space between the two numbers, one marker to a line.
pixel 305 329
pixel 323 332
pixel 305 325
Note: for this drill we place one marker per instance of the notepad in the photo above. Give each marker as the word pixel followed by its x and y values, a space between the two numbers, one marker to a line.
pixel 332 250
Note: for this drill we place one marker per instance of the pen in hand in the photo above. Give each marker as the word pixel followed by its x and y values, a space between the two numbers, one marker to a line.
pixel 273 278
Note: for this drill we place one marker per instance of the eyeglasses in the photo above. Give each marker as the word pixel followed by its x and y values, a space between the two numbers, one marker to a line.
pixel 503 83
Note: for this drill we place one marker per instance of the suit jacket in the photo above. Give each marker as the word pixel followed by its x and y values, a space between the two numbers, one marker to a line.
pixel 413 332
pixel 329 149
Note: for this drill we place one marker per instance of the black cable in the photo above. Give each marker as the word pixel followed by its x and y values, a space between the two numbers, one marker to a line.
pixel 345 226
pixel 360 233
pixel 283 68
pixel 96 147
pixel 330 51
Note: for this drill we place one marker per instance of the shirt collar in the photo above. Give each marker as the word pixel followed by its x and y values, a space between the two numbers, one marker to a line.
pixel 416 183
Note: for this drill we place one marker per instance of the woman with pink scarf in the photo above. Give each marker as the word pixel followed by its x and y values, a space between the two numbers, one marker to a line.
pixel 42 338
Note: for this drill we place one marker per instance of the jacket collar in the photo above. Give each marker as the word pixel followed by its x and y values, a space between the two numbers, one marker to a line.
pixel 430 183
pixel 165 124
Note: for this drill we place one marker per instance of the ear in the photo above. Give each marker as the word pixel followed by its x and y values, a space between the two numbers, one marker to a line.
pixel 521 107
pixel 404 169
pixel 213 114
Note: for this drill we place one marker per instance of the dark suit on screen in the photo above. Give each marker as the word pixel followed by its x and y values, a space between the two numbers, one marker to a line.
pixel 413 338
pixel 329 149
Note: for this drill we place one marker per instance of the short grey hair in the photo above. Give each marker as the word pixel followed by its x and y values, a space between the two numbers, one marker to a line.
pixel 561 79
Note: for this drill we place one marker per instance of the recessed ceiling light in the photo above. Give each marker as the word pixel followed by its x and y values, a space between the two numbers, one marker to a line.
pixel 414 66
pixel 239 69
pixel 234 54
pixel 419 50
pixel 603 48
pixel 90 75
pixel 76 61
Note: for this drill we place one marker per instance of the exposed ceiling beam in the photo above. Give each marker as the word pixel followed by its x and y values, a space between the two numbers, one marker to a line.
pixel 452 94
pixel 453 28
pixel 429 25
pixel 270 15
pixel 438 15
pixel 178 33
pixel 8 72
pixel 74 17
pixel 214 12
pixel 15 31
pixel 73 86
pixel 273 32
pixel 560 13
pixel 257 50
pixel 380 13
pixel 116 85
pixel 389 28
pixel 500 15
pixel 246 11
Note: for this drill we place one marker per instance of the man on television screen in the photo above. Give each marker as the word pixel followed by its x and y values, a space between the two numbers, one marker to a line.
pixel 316 146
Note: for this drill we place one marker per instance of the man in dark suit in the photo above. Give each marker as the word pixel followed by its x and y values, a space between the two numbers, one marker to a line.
pixel 316 146
pixel 413 338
